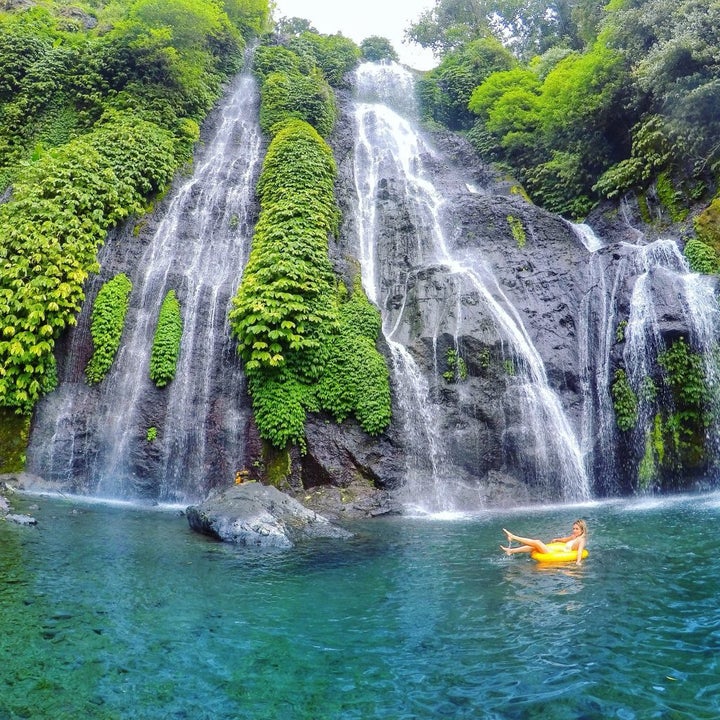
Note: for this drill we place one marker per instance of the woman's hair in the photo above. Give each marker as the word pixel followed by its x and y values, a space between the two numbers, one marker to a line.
pixel 583 526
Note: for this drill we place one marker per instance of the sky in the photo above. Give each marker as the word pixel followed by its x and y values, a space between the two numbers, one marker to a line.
pixel 359 19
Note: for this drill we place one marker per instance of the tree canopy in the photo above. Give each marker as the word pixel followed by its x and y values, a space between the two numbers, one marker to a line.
pixel 100 105
pixel 581 99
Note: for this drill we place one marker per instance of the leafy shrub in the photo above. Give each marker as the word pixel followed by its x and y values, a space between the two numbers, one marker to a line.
pixel 701 257
pixel 61 208
pixel 445 91
pixel 651 151
pixel 285 301
pixel 292 95
pixel 108 320
pixel 166 343
pixel 684 374
pixel 335 55
pixel 376 48
pixel 355 379
pixel 285 310
pixel 269 59
pixel 625 401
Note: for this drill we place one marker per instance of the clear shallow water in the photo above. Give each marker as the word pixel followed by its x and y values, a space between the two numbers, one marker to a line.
pixel 117 612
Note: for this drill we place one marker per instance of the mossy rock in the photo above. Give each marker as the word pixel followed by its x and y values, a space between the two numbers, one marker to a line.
pixel 14 433
pixel 707 225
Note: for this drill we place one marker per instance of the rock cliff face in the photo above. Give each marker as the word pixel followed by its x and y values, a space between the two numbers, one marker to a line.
pixel 571 290
pixel 435 311
pixel 501 325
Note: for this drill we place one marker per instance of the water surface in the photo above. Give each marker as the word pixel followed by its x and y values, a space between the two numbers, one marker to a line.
pixel 121 612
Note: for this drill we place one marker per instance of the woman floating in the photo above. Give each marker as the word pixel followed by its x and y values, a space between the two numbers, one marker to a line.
pixel 567 548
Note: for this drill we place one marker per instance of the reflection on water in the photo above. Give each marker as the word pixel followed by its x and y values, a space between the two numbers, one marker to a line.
pixel 117 612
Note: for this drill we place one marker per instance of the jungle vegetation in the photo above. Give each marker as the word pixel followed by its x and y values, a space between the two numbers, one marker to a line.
pixel 583 100
pixel 308 343
pixel 100 105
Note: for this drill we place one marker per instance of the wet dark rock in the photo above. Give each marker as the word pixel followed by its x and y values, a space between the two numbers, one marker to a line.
pixel 258 515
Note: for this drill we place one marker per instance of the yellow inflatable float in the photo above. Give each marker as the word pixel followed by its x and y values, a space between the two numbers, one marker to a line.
pixel 558 553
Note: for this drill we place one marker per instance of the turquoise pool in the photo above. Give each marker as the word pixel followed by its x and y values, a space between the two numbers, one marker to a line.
pixel 121 612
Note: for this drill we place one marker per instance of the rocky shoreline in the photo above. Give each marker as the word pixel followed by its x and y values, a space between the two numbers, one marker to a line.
pixel 249 514
pixel 8 483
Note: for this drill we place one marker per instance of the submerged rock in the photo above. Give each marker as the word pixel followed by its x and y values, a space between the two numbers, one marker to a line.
pixel 259 515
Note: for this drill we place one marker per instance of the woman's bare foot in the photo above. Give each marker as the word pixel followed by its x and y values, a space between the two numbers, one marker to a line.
pixel 509 535
pixel 506 550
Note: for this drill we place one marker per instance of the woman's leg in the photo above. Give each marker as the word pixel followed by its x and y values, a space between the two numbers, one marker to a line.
pixel 534 544
pixel 515 550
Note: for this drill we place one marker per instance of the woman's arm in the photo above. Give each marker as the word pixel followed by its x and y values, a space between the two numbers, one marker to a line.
pixel 581 547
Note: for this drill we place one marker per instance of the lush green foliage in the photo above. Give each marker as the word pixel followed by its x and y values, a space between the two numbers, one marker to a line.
pixel 284 310
pixel 305 97
pixel 685 375
pixel 166 343
pixel 376 49
pixel 293 86
pixel 304 348
pixel 701 257
pixel 445 90
pixel 527 121
pixel 625 401
pixel 107 322
pixel 677 398
pixel 165 61
pixel 284 303
pixel 529 28
pixel 355 379
pixel 98 109
pixel 61 207
pixel 334 55
pixel 604 99
pixel 684 428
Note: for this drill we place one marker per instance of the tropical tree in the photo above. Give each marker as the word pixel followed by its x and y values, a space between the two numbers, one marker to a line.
pixel 376 48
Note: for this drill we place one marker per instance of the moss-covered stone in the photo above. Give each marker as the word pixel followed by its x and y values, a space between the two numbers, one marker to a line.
pixel 707 225
pixel 14 432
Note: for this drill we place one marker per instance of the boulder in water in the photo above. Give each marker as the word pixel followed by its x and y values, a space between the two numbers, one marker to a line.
pixel 259 515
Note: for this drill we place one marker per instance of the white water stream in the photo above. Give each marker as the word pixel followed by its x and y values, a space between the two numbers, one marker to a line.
pixel 198 249
pixel 389 147
pixel 651 268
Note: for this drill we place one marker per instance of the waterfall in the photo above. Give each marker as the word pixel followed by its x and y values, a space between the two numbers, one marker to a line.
pixel 391 155
pixel 662 264
pixel 97 439
pixel 660 284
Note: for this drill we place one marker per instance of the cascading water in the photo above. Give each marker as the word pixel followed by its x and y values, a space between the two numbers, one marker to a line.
pixel 198 249
pixel 390 157
pixel 661 285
